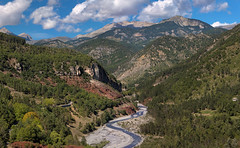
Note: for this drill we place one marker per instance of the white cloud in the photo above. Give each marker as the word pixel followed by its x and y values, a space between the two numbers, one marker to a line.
pixel 53 2
pixel 46 17
pixel 11 13
pixel 68 28
pixel 89 30
pixel 42 13
pixel 49 19
pixel 165 9
pixel 208 8
pixel 203 2
pixel 121 19
pixel 218 24
pixel 223 6
pixel 49 23
pixel 210 5
pixel 104 9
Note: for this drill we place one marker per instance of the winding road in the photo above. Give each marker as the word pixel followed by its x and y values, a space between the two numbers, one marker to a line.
pixel 116 135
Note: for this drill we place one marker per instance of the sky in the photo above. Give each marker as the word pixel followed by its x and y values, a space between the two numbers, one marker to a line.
pixel 51 18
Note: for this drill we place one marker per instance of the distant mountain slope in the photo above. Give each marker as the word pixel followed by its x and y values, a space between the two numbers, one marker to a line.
pixel 6 31
pixel 109 27
pixel 176 26
pixel 118 46
pixel 161 54
pixel 140 34
pixel 109 53
pixel 27 37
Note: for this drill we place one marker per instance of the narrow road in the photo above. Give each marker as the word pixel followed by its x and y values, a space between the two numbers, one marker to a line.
pixel 116 135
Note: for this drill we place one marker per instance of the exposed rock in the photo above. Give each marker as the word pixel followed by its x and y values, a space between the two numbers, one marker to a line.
pixel 94 70
pixel 108 27
pixel 98 73
pixel 15 64
pixel 27 37
pixel 5 30
pixel 182 21
pixel 76 71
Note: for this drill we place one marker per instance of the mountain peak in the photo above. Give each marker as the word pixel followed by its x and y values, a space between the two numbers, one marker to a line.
pixel 25 36
pixel 5 30
pixel 182 21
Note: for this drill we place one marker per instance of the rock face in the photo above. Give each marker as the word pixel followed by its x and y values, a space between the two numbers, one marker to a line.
pixel 76 71
pixel 15 64
pixel 98 73
pixel 182 21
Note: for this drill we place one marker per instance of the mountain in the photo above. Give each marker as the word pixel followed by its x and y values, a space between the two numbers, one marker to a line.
pixel 55 42
pixel 27 37
pixel 176 26
pixel 166 43
pixel 5 30
pixel 125 48
pixel 110 53
pixel 68 69
pixel 139 34
pixel 162 54
pixel 197 97
pixel 109 27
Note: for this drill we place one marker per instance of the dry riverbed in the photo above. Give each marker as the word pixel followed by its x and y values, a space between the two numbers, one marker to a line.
pixel 118 138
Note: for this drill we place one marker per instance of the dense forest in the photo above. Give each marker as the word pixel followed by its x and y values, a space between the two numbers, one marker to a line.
pixel 32 92
pixel 196 103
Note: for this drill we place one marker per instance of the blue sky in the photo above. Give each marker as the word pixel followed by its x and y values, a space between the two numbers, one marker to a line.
pixel 51 18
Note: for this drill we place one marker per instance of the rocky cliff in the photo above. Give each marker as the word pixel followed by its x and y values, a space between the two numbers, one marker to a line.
pixel 95 72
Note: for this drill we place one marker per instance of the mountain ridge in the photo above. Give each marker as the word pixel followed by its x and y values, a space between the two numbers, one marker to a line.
pixel 25 36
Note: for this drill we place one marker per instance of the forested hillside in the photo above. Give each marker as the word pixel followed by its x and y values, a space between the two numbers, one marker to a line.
pixel 131 49
pixel 35 83
pixel 161 54
pixel 196 103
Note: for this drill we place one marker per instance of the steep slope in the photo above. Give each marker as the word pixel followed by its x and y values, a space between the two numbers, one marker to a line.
pixel 109 53
pixel 210 70
pixel 33 62
pixel 52 96
pixel 198 97
pixel 161 54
